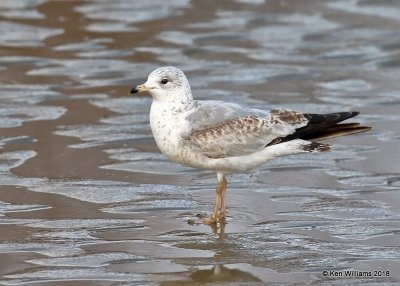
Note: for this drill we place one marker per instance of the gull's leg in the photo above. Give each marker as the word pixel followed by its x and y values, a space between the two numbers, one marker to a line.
pixel 222 214
pixel 219 212
pixel 217 206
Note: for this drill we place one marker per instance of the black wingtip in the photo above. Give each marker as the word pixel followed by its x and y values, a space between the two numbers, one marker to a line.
pixel 341 116
pixel 354 113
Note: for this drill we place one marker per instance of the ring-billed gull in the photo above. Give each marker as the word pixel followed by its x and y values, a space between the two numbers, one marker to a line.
pixel 226 137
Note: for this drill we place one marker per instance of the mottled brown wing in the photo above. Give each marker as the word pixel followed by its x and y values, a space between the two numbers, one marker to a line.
pixel 246 134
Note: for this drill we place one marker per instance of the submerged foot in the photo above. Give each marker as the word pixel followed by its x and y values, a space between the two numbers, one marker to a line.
pixel 203 218
pixel 208 220
pixel 216 223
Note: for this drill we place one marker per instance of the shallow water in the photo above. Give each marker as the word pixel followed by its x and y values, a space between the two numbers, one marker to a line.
pixel 86 197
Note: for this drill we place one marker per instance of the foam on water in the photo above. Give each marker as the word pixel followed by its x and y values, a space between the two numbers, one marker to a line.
pixel 9 160
pixel 98 191
pixel 56 249
pixel 97 135
pixel 20 104
pixel 72 274
pixel 9 208
pixel 371 9
pixel 145 162
pixel 24 35
pixel 89 260
pixel 92 224
pixel 118 16
pixel 91 72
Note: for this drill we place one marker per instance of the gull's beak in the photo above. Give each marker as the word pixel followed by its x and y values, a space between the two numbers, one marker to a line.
pixel 140 88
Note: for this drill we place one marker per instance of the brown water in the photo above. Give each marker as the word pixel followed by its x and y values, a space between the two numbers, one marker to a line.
pixel 87 199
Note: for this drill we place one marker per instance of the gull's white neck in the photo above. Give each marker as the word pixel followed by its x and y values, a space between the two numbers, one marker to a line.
pixel 171 104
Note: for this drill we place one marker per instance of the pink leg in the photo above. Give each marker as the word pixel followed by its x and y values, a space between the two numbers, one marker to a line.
pixel 222 214
pixel 219 213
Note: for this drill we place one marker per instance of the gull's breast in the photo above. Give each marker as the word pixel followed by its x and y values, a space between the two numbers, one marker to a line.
pixel 166 129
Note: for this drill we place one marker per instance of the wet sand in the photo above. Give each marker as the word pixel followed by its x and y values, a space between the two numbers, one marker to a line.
pixel 87 199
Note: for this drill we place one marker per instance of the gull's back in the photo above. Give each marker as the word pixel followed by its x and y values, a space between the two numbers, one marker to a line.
pixel 205 113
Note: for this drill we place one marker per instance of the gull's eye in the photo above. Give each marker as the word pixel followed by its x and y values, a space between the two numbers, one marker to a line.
pixel 164 81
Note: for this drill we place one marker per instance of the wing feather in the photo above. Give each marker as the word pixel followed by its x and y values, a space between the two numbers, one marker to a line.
pixel 245 134
pixel 220 129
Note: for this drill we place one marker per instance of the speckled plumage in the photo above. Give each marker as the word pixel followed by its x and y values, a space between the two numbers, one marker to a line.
pixel 247 134
pixel 212 134
pixel 226 137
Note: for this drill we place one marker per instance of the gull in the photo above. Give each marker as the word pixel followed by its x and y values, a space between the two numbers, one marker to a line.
pixel 228 138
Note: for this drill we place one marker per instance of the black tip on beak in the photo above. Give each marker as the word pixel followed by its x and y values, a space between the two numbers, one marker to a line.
pixel 134 90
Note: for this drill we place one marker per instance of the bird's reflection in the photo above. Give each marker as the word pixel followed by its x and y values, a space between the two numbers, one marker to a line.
pixel 221 273
pixel 217 273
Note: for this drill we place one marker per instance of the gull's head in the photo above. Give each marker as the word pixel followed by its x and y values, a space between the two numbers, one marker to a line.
pixel 166 84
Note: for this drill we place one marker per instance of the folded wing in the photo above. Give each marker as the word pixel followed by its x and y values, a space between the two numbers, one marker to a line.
pixel 227 131
pixel 245 134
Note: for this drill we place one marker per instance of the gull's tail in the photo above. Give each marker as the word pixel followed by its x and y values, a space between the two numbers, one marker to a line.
pixel 337 130
pixel 325 126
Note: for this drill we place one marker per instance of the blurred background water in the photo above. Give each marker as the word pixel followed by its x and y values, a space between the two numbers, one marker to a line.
pixel 86 197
